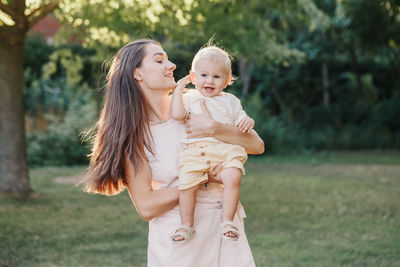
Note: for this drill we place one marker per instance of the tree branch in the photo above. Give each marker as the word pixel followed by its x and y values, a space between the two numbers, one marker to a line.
pixel 41 12
pixel 8 10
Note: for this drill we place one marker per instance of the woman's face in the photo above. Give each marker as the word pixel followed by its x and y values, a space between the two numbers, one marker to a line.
pixel 156 71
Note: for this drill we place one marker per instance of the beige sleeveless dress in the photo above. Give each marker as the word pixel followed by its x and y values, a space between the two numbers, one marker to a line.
pixel 207 249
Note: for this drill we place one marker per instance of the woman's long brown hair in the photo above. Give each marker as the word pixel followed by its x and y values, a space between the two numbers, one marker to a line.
pixel 123 126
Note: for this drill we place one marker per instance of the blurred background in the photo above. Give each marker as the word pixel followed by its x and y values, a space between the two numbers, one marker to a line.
pixel 319 77
pixel 314 74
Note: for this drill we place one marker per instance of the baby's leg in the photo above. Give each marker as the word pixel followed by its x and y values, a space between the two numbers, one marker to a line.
pixel 187 203
pixel 231 178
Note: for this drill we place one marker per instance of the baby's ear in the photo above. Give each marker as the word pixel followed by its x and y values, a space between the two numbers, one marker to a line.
pixel 228 81
pixel 192 78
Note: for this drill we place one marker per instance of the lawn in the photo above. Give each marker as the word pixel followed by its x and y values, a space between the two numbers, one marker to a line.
pixel 334 209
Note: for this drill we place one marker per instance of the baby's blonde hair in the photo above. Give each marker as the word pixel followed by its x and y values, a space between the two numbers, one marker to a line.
pixel 214 54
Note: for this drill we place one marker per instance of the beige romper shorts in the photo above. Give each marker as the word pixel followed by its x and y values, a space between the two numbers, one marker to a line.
pixel 196 159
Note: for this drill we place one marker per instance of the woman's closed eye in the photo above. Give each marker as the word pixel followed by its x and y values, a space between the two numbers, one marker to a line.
pixel 160 59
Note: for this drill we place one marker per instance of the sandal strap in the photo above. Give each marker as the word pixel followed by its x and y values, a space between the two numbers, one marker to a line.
pixel 186 232
pixel 185 227
pixel 230 226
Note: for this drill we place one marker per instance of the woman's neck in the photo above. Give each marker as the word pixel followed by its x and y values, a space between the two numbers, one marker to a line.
pixel 160 106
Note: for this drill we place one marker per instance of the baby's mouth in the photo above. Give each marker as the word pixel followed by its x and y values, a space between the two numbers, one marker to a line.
pixel 209 89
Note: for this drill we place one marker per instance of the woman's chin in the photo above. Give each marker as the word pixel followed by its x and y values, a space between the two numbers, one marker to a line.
pixel 172 84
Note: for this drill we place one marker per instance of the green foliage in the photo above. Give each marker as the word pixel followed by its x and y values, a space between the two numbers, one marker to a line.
pixel 60 143
pixel 59 87
pixel 285 46
pixel 58 74
pixel 72 64
pixel 36 54
pixel 377 19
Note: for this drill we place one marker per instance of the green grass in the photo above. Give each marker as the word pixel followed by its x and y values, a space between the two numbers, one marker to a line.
pixel 333 209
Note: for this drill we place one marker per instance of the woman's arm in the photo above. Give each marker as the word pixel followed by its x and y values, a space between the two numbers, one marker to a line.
pixel 203 125
pixel 149 203
pixel 252 143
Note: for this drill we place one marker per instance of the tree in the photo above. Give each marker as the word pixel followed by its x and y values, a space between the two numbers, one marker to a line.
pixel 16 18
pixel 254 30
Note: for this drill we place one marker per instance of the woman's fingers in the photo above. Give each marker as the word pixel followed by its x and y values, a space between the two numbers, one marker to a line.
pixel 204 108
pixel 217 169
pixel 199 125
pixel 213 175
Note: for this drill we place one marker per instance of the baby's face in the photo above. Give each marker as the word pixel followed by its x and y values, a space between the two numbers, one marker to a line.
pixel 210 78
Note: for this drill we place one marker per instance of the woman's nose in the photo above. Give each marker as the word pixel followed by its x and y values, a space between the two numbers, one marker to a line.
pixel 171 65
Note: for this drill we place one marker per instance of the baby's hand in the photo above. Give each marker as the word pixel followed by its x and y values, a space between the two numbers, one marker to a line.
pixel 180 85
pixel 246 125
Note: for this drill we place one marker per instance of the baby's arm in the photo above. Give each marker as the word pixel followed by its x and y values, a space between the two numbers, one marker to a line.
pixel 246 124
pixel 178 111
pixel 242 121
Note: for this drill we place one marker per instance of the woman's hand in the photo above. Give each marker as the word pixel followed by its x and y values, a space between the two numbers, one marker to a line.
pixel 201 125
pixel 213 175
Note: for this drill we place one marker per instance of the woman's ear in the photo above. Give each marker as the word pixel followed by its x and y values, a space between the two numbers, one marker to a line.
pixel 137 75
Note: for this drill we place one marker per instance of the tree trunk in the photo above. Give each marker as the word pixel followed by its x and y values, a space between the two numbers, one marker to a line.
pixel 245 68
pixel 325 83
pixel 356 70
pixel 14 176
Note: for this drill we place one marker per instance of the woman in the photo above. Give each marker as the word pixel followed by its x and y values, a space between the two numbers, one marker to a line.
pixel 137 146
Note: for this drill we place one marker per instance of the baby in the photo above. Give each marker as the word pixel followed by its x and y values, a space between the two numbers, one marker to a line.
pixel 211 73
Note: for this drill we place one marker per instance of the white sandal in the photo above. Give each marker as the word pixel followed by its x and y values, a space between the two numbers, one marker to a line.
pixel 186 232
pixel 229 226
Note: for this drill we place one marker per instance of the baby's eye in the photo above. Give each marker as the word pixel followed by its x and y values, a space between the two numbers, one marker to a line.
pixel 203 75
pixel 159 61
pixel 217 76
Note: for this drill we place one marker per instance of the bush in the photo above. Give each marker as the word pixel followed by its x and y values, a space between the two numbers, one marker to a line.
pixel 60 143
